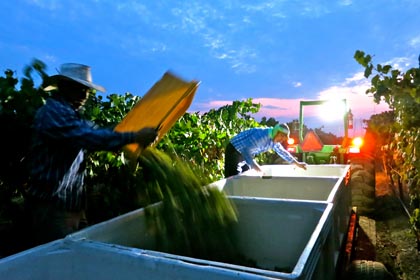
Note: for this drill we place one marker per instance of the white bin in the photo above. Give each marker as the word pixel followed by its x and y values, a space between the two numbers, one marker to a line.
pixel 312 170
pixel 326 183
pixel 274 233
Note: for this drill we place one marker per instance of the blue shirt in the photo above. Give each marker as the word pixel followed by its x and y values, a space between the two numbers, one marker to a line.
pixel 59 142
pixel 254 141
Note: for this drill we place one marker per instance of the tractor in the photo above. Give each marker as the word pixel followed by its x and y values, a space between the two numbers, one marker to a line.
pixel 312 150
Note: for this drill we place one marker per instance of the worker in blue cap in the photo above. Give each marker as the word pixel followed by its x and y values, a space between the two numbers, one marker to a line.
pixel 242 148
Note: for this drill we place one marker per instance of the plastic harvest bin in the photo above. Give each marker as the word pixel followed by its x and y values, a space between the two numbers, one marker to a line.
pixel 274 233
pixel 331 185
pixel 313 170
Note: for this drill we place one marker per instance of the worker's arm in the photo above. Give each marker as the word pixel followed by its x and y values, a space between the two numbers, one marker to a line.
pixel 300 164
pixel 284 154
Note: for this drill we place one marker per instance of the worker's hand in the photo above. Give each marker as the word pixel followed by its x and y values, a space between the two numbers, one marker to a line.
pixel 146 136
pixel 301 165
pixel 257 168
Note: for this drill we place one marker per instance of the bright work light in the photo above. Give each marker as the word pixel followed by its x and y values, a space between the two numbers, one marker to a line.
pixel 332 110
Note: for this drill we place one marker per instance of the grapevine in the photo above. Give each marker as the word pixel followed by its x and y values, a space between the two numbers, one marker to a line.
pixel 401 91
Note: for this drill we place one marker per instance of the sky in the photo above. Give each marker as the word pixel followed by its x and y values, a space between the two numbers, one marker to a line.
pixel 277 52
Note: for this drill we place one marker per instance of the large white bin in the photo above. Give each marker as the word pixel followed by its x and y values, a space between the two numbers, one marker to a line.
pixel 67 259
pixel 312 170
pixel 327 183
pixel 326 189
pixel 274 233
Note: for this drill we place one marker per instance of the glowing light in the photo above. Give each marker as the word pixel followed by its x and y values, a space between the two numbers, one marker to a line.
pixel 332 110
pixel 291 150
pixel 358 142
pixel 354 150
pixel 290 141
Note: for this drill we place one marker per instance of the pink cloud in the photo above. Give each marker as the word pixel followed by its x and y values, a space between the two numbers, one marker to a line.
pixel 278 108
pixel 270 107
pixel 361 104
pixel 205 107
pixel 285 110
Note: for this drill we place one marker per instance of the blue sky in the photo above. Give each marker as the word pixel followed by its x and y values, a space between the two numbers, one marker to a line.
pixel 276 52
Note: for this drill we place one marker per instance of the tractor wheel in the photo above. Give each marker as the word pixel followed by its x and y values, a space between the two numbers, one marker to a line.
pixel 362 183
pixel 368 270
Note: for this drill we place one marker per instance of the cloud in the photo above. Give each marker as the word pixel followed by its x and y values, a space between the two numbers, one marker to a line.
pixel 415 42
pixel 401 63
pixel 271 107
pixel 206 106
pixel 221 28
pixel 353 90
pixel 287 9
pixel 207 24
pixel 361 104
pixel 278 108
pixel 297 84
pixel 345 2
pixel 133 7
pixel 314 10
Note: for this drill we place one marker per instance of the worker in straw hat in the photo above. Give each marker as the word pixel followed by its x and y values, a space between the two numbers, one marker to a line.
pixel 242 148
pixel 56 195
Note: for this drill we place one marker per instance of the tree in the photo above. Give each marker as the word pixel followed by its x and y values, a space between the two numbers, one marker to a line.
pixel 401 91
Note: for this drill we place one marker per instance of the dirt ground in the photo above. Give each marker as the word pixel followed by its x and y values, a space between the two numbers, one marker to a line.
pixel 396 245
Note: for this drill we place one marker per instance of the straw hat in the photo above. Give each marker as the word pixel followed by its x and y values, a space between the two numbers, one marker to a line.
pixel 77 72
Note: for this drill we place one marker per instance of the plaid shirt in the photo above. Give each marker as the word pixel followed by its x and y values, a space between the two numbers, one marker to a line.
pixel 254 141
pixel 58 145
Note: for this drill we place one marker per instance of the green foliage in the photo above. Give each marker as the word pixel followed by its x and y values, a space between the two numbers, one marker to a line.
pixel 268 122
pixel 17 109
pixel 193 220
pixel 197 138
pixel 21 104
pixel 110 111
pixel 201 138
pixel 19 100
pixel 401 90
pixel 379 133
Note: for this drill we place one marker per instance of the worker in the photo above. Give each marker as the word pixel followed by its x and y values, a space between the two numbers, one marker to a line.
pixel 242 148
pixel 56 195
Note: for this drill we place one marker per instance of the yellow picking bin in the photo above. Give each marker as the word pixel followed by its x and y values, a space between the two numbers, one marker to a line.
pixel 160 107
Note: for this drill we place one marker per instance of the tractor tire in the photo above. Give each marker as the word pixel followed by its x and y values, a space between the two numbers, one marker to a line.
pixel 367 270
pixel 362 184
